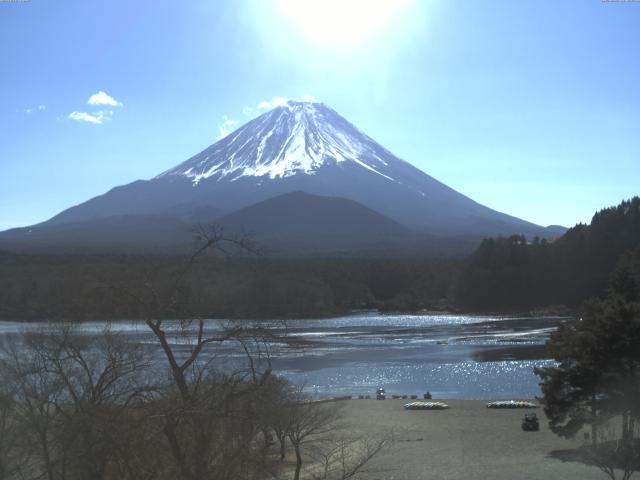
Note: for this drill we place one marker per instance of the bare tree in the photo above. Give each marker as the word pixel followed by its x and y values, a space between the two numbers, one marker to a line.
pixel 210 418
pixel 613 455
pixel 35 393
pixel 11 458
pixel 309 423
pixel 220 425
pixel 348 457
pixel 316 432
pixel 6 430
pixel 72 394
pixel 275 411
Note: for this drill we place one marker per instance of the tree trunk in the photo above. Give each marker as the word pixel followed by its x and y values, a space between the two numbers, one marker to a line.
pixel 282 439
pixel 174 445
pixel 268 441
pixel 594 427
pixel 200 459
pixel 625 429
pixel 296 475
pixel 44 443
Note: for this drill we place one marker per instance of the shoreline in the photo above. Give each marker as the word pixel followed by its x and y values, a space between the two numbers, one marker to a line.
pixel 516 314
pixel 467 440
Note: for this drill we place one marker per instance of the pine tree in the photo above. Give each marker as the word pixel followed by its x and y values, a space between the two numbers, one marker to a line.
pixel 598 372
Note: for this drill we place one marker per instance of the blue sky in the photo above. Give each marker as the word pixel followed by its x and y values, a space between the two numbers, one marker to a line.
pixel 529 107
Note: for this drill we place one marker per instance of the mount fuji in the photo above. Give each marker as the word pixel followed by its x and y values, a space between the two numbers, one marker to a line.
pixel 298 147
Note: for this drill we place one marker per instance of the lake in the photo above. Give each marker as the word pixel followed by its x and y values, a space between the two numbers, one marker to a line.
pixel 452 356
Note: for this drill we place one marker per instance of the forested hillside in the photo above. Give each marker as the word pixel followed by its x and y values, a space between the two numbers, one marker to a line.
pixel 512 273
pixel 118 286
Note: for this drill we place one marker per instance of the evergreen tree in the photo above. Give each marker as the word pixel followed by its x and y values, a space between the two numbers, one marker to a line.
pixel 598 372
pixel 509 273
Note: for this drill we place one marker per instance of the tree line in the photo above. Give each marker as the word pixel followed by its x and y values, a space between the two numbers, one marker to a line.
pixel 98 287
pixel 516 273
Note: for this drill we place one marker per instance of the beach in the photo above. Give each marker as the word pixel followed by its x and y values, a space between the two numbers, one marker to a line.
pixel 466 441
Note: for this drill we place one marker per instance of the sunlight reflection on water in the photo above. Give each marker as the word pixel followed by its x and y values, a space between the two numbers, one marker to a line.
pixel 468 380
pixel 355 354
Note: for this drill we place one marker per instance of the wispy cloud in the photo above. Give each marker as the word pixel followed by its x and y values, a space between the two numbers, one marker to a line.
pixel 96 118
pixel 253 112
pixel 227 126
pixel 34 109
pixel 263 106
pixel 275 102
pixel 103 98
pixel 84 117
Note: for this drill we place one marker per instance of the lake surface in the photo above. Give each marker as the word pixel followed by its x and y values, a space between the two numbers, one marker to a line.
pixel 452 356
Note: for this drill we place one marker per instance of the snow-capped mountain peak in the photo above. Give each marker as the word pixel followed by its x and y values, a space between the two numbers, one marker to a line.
pixel 296 138
pixel 296 147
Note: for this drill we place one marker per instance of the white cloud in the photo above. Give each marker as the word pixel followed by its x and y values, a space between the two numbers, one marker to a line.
pixel 84 117
pixel 227 126
pixel 102 98
pixel 96 118
pixel 42 107
pixel 253 112
pixel 28 110
pixel 276 102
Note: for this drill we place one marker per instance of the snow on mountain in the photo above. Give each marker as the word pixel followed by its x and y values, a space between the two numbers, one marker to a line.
pixel 299 147
pixel 298 138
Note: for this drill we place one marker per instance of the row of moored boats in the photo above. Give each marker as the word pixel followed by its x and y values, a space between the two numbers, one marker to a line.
pixel 497 404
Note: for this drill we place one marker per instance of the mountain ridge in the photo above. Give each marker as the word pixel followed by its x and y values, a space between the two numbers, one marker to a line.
pixel 305 147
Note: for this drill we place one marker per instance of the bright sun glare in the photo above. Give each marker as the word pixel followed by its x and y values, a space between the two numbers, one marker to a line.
pixel 342 23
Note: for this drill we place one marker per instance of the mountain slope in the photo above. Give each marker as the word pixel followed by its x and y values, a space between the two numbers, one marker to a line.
pixel 304 147
pixel 301 224
pixel 300 214
pixel 120 233
pixel 288 224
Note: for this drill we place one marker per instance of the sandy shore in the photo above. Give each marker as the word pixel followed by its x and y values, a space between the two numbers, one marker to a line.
pixel 467 441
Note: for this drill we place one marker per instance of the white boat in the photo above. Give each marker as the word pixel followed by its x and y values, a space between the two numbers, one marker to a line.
pixel 511 404
pixel 426 406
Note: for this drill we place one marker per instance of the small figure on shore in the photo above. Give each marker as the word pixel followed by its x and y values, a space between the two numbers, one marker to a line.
pixel 427 396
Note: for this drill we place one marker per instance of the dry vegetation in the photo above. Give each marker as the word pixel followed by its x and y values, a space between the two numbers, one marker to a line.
pixel 76 406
